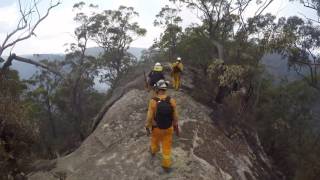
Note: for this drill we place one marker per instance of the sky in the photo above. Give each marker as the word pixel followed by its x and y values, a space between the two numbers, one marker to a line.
pixel 58 28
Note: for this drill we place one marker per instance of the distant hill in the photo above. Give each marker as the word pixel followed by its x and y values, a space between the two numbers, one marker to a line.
pixel 26 70
pixel 277 67
pixel 96 51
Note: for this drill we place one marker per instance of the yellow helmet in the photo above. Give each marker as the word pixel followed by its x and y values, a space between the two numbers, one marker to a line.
pixel 157 67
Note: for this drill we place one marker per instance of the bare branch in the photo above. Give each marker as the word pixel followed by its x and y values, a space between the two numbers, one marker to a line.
pixel 32 29
pixel 36 7
pixel 22 24
pixel 307 4
pixel 263 7
pixel 310 19
pixel 242 8
pixel 23 20
pixel 260 7
pixel 302 75
pixel 305 63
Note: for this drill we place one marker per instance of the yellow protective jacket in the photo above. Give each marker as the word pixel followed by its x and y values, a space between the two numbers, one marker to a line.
pixel 177 64
pixel 153 108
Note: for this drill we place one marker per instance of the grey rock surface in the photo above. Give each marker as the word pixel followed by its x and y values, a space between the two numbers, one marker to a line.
pixel 118 148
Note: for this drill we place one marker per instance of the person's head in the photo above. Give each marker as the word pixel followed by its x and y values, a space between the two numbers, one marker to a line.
pixel 161 86
pixel 157 67
pixel 179 59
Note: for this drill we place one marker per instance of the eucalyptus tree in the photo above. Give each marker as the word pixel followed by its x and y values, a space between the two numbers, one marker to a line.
pixel 222 18
pixel 169 19
pixel 114 31
pixel 299 41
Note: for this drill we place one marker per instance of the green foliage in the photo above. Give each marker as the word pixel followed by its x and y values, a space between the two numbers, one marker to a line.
pixel 115 67
pixel 299 41
pixel 195 47
pixel 284 119
pixel 65 106
pixel 18 131
pixel 169 19
pixel 167 16
pixel 287 129
pixel 223 50
pixel 12 107
pixel 114 31
pixel 247 46
pixel 227 74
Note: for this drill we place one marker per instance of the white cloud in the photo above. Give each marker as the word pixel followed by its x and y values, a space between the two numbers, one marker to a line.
pixel 6 2
pixel 8 18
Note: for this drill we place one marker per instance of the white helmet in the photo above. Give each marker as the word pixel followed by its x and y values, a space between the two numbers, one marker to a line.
pixel 178 58
pixel 162 84
pixel 157 64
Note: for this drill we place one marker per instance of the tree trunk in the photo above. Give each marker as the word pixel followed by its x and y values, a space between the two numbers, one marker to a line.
pixel 52 124
pixel 222 92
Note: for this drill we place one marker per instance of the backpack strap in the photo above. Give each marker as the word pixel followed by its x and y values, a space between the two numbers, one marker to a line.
pixel 156 99
pixel 150 73
pixel 168 99
pixel 176 67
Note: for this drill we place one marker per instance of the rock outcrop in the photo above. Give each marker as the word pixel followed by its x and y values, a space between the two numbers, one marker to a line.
pixel 118 148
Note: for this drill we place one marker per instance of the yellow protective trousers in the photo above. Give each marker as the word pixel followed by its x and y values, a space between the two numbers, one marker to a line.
pixel 163 137
pixel 176 81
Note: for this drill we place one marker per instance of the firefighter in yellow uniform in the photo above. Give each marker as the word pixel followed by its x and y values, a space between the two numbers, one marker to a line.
pixel 177 69
pixel 162 120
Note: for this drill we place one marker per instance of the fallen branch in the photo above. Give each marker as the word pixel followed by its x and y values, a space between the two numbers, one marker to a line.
pixel 12 57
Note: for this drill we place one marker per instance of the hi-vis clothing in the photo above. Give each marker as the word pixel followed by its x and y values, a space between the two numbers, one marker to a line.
pixel 161 136
pixel 176 76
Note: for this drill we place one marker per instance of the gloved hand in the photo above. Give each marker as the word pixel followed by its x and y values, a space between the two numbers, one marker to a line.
pixel 176 130
pixel 148 131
